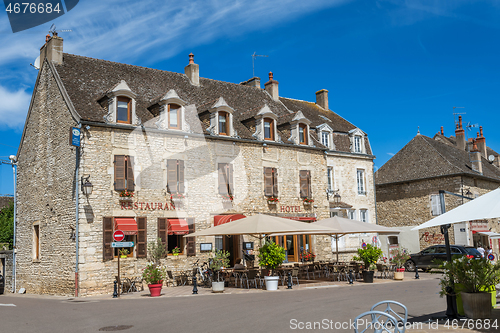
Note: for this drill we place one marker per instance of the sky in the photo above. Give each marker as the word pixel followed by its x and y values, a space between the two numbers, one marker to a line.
pixel 391 67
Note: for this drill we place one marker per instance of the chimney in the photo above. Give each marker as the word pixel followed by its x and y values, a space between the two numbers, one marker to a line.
pixel 52 50
pixel 271 87
pixel 253 82
pixel 481 143
pixel 442 130
pixel 475 156
pixel 322 98
pixel 192 71
pixel 460 135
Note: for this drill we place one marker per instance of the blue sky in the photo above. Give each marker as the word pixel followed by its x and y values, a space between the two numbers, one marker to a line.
pixel 390 66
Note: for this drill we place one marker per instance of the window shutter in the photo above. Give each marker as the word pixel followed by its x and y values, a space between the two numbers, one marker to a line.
pixel 268 182
pixel 172 176
pixel 275 182
pixel 304 186
pixel 435 205
pixel 130 173
pixel 230 178
pixel 141 237
pixel 222 179
pixel 181 176
pixel 119 172
pixel 162 232
pixel 309 190
pixel 107 233
pixel 191 241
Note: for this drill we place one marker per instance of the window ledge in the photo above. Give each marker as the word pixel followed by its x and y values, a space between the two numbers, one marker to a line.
pixel 37 261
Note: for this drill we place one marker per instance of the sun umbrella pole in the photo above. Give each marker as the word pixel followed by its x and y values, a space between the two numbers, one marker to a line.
pixel 337 246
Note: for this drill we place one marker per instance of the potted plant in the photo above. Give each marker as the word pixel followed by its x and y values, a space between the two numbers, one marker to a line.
pixel 271 255
pixel 399 257
pixel 369 256
pixel 126 195
pixel 308 201
pixel 176 250
pixel 475 281
pixel 153 275
pixel 307 256
pixel 124 253
pixel 272 200
pixel 219 260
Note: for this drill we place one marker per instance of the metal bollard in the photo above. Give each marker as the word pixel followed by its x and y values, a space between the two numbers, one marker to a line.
pixel 195 286
pixel 289 282
pixel 115 292
pixel 350 277
pixel 416 273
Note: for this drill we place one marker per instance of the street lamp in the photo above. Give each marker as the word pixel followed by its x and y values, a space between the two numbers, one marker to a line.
pixel 336 197
pixel 87 186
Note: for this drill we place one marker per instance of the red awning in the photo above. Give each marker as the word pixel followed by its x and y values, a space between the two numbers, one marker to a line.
pixel 126 224
pixel 221 219
pixel 177 227
pixel 302 218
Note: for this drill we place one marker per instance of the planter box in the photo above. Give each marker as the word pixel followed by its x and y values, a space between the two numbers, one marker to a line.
pixel 399 275
pixel 271 282
pixel 218 287
pixel 460 307
pixel 368 276
pixel 477 305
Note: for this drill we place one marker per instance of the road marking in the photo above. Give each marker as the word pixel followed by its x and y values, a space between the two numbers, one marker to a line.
pixel 7 304
pixel 332 286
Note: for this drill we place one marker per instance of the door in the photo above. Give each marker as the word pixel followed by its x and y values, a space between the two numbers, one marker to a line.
pixel 231 244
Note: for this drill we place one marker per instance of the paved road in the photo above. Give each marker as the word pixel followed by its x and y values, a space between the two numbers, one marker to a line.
pixel 252 312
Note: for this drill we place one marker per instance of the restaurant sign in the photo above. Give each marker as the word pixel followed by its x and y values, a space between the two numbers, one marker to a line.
pixel 147 206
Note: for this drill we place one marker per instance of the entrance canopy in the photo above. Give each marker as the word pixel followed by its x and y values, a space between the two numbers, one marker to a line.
pixel 177 227
pixel 491 235
pixel 126 224
pixel 484 207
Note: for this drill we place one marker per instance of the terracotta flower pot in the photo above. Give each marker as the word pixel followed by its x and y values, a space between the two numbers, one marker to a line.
pixel 155 289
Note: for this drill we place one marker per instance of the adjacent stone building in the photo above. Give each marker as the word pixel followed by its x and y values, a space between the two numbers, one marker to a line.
pixel 168 154
pixel 408 187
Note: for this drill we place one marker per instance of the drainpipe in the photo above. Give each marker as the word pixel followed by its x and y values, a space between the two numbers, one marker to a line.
pixel 14 172
pixel 77 205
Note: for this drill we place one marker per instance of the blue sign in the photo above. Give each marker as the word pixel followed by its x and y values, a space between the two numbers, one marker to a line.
pixel 75 136
pixel 122 244
pixel 491 257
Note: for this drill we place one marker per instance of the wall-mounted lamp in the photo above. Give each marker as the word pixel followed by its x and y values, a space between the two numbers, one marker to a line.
pixel 87 186
pixel 335 193
pixel 264 147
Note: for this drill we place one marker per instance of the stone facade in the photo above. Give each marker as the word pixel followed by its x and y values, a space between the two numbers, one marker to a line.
pixel 6 269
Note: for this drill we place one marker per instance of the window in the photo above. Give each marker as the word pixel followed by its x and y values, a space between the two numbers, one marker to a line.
pixel 36 242
pixel 171 232
pixel 357 144
pixel 223 123
pixel 268 129
pixel 361 181
pixel 329 177
pixel 134 230
pixel 225 178
pixel 352 214
pixel 124 173
pixel 325 138
pixel 436 205
pixel 218 243
pixel 363 215
pixel 305 183
pixel 270 182
pixel 124 110
pixel 303 134
pixel 175 176
pixel 174 116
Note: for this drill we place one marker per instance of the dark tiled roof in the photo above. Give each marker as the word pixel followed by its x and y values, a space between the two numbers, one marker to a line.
pixel 88 80
pixel 424 157
pixel 5 202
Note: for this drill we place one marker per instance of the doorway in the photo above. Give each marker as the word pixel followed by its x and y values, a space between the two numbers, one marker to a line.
pixel 231 244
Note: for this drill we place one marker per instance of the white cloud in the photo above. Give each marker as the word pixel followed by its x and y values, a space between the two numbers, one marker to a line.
pixel 13 107
pixel 390 154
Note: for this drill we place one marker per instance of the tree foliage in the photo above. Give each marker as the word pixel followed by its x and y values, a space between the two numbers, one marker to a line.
pixel 7 225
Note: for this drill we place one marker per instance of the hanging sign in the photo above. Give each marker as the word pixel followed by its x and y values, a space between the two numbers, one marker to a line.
pixel 75 137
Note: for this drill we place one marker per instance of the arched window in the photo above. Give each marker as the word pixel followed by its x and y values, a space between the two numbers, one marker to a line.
pixel 124 110
pixel 268 129
pixel 223 123
pixel 174 116
pixel 303 134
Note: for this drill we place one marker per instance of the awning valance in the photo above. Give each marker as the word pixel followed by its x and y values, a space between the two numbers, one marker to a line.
pixel 126 224
pixel 304 219
pixel 221 219
pixel 492 235
pixel 177 227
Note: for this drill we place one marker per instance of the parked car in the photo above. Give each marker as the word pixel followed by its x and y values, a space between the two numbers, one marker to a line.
pixel 430 257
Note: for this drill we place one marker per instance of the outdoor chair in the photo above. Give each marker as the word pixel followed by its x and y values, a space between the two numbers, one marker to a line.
pixel 138 283
pixel 383 271
pixel 252 277
pixel 401 315
pixel 125 284
pixel 377 322
pixel 170 279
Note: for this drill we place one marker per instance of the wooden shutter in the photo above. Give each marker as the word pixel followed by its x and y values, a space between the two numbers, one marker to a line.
pixel 162 232
pixel 222 178
pixel 130 173
pixel 309 190
pixel 141 237
pixel 107 237
pixel 180 175
pixel 172 176
pixel 119 172
pixel 230 178
pixel 304 186
pixel 191 241
pixel 268 182
pixel 275 182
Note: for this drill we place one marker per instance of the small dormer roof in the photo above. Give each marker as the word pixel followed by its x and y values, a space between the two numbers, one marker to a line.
pixel 221 105
pixel 171 97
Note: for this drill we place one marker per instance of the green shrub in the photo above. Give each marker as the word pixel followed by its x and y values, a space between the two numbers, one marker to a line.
pixel 368 256
pixel 271 255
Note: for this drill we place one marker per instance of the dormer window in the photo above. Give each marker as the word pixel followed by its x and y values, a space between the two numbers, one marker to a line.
pixel 357 138
pixel 268 129
pixel 303 134
pixel 223 123
pixel 357 144
pixel 124 110
pixel 325 135
pixel 325 138
pixel 174 116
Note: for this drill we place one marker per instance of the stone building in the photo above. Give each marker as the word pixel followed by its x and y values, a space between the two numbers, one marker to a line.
pixel 408 187
pixel 168 154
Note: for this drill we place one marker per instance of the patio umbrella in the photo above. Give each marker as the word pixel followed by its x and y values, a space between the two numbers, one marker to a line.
pixel 486 206
pixel 259 226
pixel 343 226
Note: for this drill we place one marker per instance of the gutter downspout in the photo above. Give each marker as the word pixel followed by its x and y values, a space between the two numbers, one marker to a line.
pixel 14 172
pixel 77 205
